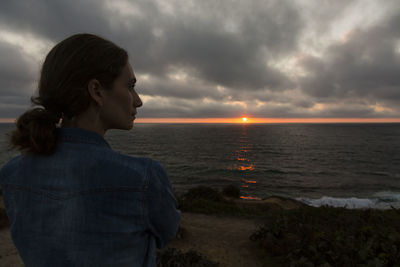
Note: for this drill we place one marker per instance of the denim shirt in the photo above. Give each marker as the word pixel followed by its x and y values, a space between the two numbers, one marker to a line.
pixel 88 205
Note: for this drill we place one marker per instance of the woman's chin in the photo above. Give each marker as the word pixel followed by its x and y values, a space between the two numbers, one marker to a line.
pixel 126 126
pixel 131 124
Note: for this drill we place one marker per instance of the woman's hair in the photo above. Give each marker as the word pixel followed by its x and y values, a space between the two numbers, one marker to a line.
pixel 62 89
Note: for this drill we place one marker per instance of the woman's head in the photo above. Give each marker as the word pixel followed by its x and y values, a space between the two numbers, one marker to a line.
pixel 69 67
pixel 80 74
pixel 116 108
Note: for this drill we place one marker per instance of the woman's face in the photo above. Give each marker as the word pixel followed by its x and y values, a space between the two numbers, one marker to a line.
pixel 119 107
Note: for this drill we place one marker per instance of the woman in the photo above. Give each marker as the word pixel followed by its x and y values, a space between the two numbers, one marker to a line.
pixel 70 198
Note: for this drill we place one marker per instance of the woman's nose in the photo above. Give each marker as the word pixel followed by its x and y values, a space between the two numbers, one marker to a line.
pixel 137 102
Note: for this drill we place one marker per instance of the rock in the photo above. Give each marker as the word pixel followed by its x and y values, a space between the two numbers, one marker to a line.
pixel 203 192
pixel 231 191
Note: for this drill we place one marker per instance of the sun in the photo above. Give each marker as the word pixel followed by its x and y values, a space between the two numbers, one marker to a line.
pixel 244 119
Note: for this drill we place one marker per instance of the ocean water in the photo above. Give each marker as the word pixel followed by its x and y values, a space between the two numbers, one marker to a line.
pixel 352 165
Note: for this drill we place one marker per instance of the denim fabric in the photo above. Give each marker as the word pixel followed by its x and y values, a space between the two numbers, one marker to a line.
pixel 88 205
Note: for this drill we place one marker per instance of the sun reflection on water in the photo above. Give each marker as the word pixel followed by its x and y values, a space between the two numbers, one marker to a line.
pixel 245 168
pixel 244 164
pixel 249 182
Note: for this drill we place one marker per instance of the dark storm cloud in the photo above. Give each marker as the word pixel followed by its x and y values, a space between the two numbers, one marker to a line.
pixel 233 58
pixel 53 19
pixel 169 87
pixel 17 71
pixel 203 44
pixel 364 66
pixel 229 59
pixel 321 15
pixel 176 107
pixel 230 54
pixel 198 42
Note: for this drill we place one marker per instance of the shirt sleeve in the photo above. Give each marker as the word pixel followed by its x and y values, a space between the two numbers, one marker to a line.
pixel 163 213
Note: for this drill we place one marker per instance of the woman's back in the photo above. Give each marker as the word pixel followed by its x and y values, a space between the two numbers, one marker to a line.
pixel 87 205
pixel 71 199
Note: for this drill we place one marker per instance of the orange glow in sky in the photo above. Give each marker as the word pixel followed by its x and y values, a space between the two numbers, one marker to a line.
pixel 253 120
pixel 248 120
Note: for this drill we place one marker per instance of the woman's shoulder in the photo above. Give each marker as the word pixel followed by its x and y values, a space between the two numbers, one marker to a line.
pixel 129 159
pixel 151 165
pixel 9 166
pixel 152 170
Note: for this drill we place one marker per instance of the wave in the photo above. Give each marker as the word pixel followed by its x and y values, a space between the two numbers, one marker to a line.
pixel 379 200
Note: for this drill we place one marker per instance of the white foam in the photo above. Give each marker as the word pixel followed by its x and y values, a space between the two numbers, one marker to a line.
pixel 351 203
pixel 378 200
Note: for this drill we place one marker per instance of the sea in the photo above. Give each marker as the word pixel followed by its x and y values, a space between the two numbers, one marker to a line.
pixel 341 165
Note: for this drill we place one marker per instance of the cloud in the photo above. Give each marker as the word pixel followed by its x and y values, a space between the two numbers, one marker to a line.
pixel 222 58
pixel 366 65
pixel 227 48
pixel 17 71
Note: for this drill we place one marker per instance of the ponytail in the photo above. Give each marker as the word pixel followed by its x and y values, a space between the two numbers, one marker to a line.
pixel 35 133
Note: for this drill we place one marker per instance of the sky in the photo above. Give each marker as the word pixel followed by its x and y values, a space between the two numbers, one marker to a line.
pixel 299 59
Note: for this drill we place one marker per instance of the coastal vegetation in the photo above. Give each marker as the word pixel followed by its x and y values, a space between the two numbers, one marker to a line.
pixel 328 236
pixel 172 257
pixel 310 236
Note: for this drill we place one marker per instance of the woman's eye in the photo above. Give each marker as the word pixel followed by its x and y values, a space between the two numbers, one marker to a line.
pixel 131 87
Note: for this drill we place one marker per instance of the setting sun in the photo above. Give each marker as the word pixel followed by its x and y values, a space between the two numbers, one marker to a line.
pixel 244 119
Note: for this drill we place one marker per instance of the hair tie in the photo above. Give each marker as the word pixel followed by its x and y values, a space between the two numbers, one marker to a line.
pixel 60 121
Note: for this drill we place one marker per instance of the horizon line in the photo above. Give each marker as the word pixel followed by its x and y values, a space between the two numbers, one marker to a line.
pixel 253 120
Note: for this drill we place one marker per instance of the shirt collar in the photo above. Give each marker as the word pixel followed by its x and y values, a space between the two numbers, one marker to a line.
pixel 79 135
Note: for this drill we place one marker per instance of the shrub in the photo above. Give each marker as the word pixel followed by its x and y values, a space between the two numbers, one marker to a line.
pixel 202 192
pixel 328 236
pixel 172 257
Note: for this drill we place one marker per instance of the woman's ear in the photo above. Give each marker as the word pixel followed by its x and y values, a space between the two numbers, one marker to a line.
pixel 96 91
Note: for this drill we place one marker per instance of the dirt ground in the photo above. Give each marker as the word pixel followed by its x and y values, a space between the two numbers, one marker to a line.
pixel 220 238
pixel 9 256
